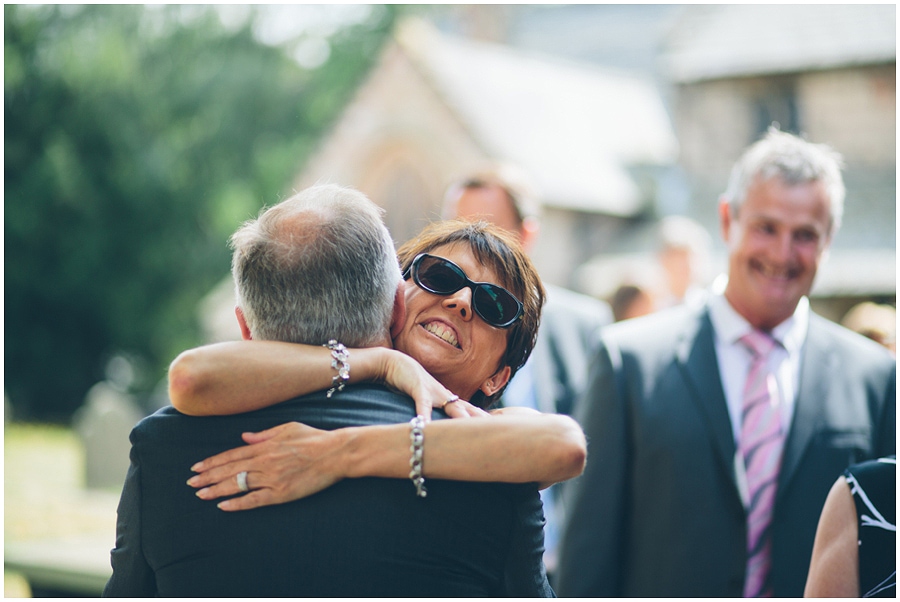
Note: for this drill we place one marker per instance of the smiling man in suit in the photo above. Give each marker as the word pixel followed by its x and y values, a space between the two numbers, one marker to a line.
pixel 715 432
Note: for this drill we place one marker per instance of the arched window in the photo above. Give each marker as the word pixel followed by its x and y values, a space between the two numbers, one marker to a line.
pixel 406 187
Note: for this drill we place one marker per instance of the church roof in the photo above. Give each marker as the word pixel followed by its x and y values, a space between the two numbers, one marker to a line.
pixel 575 127
pixel 736 40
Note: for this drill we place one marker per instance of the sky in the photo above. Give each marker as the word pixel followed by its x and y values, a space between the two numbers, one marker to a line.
pixel 306 27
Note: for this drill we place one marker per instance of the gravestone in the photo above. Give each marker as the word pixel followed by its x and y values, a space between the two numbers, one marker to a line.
pixel 103 423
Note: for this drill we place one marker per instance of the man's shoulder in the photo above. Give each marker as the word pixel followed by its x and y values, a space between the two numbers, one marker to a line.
pixel 357 405
pixel 659 330
pixel 159 419
pixel 854 347
pixel 362 394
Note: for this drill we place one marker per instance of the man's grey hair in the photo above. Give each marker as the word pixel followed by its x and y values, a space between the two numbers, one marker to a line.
pixel 320 265
pixel 793 160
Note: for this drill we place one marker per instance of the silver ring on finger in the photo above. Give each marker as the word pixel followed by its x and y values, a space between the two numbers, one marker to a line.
pixel 449 401
pixel 242 481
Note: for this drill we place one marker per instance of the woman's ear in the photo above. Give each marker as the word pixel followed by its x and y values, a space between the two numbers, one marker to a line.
pixel 496 382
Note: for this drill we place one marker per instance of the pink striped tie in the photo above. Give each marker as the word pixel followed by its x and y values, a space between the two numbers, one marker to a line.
pixel 761 444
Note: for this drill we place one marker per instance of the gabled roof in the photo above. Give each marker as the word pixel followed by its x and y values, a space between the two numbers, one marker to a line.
pixel 720 41
pixel 575 127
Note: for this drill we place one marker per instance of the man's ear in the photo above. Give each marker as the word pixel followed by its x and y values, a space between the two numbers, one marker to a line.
pixel 242 321
pixel 398 316
pixel 496 382
pixel 724 217
pixel 529 231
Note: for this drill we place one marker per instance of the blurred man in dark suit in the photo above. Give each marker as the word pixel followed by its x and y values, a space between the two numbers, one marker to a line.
pixel 555 375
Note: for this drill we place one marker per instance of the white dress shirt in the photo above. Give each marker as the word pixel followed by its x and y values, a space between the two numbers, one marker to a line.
pixel 734 358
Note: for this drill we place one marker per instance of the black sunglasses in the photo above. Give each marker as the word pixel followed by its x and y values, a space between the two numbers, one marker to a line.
pixel 494 304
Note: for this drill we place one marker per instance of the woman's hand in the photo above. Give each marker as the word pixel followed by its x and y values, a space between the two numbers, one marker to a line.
pixel 285 463
pixel 402 372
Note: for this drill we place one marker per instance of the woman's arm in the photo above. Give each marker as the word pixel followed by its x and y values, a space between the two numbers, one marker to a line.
pixel 834 568
pixel 293 460
pixel 241 376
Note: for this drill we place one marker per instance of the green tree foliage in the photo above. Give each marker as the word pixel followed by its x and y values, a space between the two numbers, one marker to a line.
pixel 136 141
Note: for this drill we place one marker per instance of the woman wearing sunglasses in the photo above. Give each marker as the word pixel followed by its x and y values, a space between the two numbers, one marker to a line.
pixel 472 303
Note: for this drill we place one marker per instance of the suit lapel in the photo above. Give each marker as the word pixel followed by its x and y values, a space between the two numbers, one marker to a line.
pixel 543 367
pixel 696 355
pixel 812 394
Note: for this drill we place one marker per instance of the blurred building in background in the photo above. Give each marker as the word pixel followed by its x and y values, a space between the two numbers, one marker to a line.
pixel 626 114
pixel 827 71
pixel 597 141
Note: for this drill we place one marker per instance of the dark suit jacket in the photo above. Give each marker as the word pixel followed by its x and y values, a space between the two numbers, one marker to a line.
pixel 565 345
pixel 657 511
pixel 360 537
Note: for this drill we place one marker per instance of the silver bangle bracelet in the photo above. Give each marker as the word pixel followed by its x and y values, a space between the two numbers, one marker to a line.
pixel 416 448
pixel 340 361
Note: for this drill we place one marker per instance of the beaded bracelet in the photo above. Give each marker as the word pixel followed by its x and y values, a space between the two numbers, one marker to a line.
pixel 417 443
pixel 340 361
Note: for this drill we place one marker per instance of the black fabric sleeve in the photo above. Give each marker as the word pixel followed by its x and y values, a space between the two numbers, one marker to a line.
pixel 525 575
pixel 132 576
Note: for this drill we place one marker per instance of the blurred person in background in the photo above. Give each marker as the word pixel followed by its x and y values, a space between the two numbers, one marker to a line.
pixel 318 265
pixel 875 321
pixel 631 300
pixel 637 291
pixel 684 256
pixel 716 431
pixel 554 377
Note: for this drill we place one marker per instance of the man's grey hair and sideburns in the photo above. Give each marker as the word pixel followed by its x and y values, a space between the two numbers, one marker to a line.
pixel 794 161
pixel 320 265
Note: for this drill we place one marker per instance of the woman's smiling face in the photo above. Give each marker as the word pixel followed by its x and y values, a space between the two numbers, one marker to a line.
pixel 448 338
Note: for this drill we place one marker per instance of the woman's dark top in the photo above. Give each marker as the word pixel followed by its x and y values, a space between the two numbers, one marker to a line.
pixel 873 485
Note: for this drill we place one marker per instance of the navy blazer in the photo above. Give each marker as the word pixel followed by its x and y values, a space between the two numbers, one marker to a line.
pixel 657 511
pixel 566 341
pixel 360 537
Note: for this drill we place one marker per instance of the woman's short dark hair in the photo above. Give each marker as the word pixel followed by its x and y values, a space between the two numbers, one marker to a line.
pixel 498 250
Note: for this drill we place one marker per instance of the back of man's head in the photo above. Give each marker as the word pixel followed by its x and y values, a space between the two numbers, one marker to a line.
pixel 320 265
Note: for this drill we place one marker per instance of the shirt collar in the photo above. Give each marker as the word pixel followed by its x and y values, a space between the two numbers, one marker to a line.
pixel 730 326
